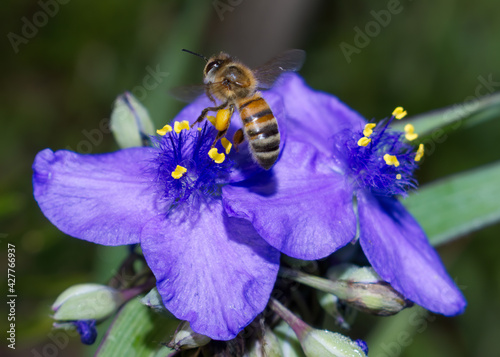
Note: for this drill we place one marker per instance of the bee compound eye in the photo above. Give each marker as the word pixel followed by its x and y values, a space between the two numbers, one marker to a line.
pixel 212 65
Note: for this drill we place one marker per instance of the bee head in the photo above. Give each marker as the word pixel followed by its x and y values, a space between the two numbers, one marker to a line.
pixel 214 63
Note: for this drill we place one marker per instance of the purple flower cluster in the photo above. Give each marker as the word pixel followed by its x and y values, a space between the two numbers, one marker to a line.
pixel 212 233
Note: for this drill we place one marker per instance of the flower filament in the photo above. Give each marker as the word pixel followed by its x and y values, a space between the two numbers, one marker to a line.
pixel 379 158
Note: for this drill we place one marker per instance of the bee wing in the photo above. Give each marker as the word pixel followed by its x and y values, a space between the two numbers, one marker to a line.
pixel 187 93
pixel 288 61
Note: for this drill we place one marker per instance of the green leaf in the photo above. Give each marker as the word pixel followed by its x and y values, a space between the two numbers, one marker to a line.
pixel 468 113
pixel 452 207
pixel 137 331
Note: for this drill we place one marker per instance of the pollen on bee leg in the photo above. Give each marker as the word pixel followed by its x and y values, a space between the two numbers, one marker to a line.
pixel 166 129
pixel 410 132
pixel 179 172
pixel 214 155
pixel 222 119
pixel 364 141
pixel 368 130
pixel 227 145
pixel 391 160
pixel 179 126
pixel 420 152
pixel 399 113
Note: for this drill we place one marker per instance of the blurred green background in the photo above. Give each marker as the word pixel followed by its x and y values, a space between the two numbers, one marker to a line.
pixel 65 62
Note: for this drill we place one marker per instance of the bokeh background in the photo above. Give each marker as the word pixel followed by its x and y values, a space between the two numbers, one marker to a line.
pixel 64 62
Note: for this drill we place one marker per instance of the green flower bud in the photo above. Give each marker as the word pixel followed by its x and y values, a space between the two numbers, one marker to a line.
pixel 267 346
pixel 318 343
pixel 358 287
pixel 154 301
pixel 324 343
pixel 363 289
pixel 130 122
pixel 185 338
pixel 87 302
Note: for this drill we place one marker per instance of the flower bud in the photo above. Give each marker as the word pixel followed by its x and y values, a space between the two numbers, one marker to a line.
pixel 185 338
pixel 324 343
pixel 360 288
pixel 130 122
pixel 266 345
pixel 363 289
pixel 154 301
pixel 87 302
pixel 318 343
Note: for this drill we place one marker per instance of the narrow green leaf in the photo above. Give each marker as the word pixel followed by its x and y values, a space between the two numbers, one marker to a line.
pixel 137 331
pixel 454 206
pixel 468 113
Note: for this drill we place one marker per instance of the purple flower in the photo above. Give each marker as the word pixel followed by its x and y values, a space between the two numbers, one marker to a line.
pixel 212 270
pixel 329 189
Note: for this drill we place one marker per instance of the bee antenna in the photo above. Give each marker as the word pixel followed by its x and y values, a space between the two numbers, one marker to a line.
pixel 196 54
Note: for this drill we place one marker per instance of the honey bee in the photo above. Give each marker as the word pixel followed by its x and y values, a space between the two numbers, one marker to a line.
pixel 236 86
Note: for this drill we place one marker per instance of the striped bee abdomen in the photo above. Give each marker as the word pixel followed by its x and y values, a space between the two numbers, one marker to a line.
pixel 261 130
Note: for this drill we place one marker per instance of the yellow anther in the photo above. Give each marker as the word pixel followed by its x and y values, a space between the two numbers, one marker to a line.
pixel 391 160
pixel 227 145
pixel 222 119
pixel 420 152
pixel 214 155
pixel 364 141
pixel 166 129
pixel 178 172
pixel 211 119
pixel 178 126
pixel 368 129
pixel 398 176
pixel 399 113
pixel 410 132
pixel 199 129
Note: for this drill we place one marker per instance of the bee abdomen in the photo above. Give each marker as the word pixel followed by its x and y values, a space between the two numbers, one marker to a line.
pixel 261 128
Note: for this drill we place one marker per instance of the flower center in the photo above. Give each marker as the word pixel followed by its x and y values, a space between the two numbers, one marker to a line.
pixel 187 166
pixel 380 159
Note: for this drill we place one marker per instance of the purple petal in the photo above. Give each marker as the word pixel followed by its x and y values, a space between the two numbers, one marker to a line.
pixel 314 116
pixel 104 199
pixel 303 208
pixel 211 270
pixel 398 249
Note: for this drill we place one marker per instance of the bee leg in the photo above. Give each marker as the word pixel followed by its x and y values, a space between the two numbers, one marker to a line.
pixel 220 135
pixel 238 138
pixel 206 110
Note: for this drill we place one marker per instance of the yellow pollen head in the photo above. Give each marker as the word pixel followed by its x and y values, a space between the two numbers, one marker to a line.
pixel 399 113
pixel 364 141
pixel 166 129
pixel 214 155
pixel 391 160
pixel 179 126
pixel 398 177
pixel 368 130
pixel 227 145
pixel 178 172
pixel 420 152
pixel 410 132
